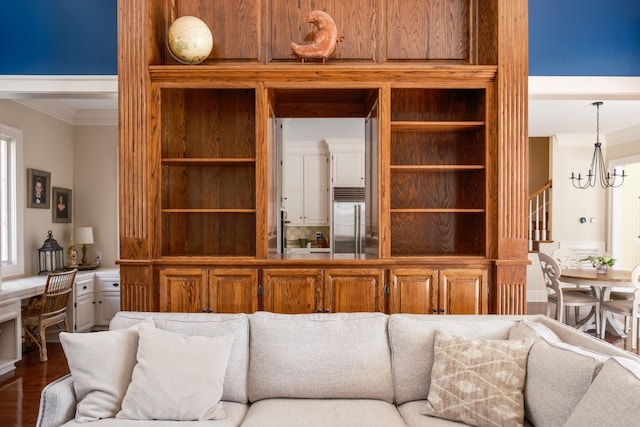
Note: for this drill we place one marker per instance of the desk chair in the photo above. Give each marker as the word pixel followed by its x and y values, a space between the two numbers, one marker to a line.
pixel 626 308
pixel 47 310
pixel 561 297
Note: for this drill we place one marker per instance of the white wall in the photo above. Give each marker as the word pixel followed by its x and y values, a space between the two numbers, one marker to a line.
pixel 48 146
pixel 73 156
pixel 299 130
pixel 96 189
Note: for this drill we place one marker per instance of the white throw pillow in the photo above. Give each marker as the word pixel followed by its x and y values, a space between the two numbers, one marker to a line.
pixel 478 381
pixel 178 377
pixel 612 399
pixel 101 364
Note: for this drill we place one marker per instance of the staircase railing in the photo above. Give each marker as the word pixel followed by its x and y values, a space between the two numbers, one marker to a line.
pixel 539 216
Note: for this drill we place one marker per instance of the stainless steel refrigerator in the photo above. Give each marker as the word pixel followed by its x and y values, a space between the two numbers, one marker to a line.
pixel 348 226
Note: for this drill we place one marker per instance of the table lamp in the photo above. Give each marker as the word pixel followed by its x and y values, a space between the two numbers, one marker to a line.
pixel 84 237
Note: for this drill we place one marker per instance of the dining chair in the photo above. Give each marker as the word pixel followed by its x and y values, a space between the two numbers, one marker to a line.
pixel 627 308
pixel 560 296
pixel 48 310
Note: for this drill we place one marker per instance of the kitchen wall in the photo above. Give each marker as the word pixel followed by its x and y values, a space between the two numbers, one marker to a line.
pixel 82 159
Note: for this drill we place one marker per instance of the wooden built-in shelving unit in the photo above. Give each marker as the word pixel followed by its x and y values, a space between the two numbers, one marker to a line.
pixel 442 88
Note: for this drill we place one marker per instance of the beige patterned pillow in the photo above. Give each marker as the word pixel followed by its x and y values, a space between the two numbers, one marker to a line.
pixel 478 381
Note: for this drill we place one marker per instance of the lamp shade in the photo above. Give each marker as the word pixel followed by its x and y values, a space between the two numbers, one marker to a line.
pixel 84 235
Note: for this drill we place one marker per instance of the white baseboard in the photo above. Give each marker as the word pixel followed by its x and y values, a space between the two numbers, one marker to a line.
pixel 537 295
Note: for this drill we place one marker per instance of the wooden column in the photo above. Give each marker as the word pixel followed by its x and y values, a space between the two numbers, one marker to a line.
pixel 133 162
pixel 509 287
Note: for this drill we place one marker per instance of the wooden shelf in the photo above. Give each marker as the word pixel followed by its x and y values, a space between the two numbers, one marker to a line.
pixel 208 211
pixel 180 161
pixel 435 168
pixel 436 210
pixel 420 126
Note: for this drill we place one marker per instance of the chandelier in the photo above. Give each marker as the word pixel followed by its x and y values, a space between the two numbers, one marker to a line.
pixel 597 171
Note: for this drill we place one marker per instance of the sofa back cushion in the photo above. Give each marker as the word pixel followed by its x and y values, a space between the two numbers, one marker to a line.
pixel 207 325
pixel 412 338
pixel 342 355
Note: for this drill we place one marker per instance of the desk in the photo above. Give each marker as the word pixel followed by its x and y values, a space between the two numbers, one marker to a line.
pixel 12 292
pixel 601 285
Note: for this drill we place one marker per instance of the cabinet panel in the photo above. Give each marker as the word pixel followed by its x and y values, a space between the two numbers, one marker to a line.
pixel 463 291
pixel 428 30
pixel 182 290
pixel 292 290
pixel 347 169
pixel 292 187
pixel 224 19
pixel 83 305
pixel 413 291
pixel 306 189
pixel 353 290
pixel 233 290
pixel 316 190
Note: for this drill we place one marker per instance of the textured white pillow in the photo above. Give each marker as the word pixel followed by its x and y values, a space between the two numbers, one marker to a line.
pixel 178 377
pixel 612 399
pixel 101 364
pixel 478 381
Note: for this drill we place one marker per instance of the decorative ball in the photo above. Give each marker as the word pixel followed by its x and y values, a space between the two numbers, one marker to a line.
pixel 190 40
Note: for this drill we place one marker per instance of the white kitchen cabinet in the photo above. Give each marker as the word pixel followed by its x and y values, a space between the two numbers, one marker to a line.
pixel 347 162
pixel 83 304
pixel 305 189
pixel 107 298
pixel 347 169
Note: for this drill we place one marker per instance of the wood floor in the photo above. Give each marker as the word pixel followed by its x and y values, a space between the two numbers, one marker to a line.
pixel 20 390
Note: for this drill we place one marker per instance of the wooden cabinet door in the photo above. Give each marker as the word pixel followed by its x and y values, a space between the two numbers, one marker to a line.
pixel 353 290
pixel 292 290
pixel 233 290
pixel 413 291
pixel 463 291
pixel 183 290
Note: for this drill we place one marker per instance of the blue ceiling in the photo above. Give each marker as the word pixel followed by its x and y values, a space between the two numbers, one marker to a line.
pixel 79 37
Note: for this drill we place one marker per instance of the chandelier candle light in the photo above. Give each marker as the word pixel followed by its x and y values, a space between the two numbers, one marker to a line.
pixel 597 169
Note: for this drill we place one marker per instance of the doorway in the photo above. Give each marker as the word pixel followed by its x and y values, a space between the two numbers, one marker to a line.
pixel 625 215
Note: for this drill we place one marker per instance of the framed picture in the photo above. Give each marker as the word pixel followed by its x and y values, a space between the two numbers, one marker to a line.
pixel 61 209
pixel 38 189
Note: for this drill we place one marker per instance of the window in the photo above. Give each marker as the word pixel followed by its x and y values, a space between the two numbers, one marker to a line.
pixel 12 206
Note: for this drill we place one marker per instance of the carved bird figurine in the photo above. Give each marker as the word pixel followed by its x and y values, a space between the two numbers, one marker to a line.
pixel 324 41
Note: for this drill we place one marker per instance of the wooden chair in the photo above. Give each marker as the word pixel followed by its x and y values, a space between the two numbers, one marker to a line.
pixel 561 297
pixel 47 310
pixel 627 308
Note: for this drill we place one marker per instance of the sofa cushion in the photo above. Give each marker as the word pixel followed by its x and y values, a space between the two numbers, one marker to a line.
pixel 101 365
pixel 411 337
pixel 207 325
pixel 235 414
pixel 612 399
pixel 558 375
pixel 478 381
pixel 322 413
pixel 411 415
pixel 177 377
pixel 316 356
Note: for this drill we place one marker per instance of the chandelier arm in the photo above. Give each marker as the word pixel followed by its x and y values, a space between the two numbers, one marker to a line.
pixel 597 171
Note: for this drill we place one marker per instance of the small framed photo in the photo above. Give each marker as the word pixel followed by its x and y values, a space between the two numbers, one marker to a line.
pixel 61 210
pixel 38 189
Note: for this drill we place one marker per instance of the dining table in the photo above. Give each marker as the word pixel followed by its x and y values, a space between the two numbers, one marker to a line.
pixel 601 283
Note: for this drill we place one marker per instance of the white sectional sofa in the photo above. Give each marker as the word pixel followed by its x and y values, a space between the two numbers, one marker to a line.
pixel 348 370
